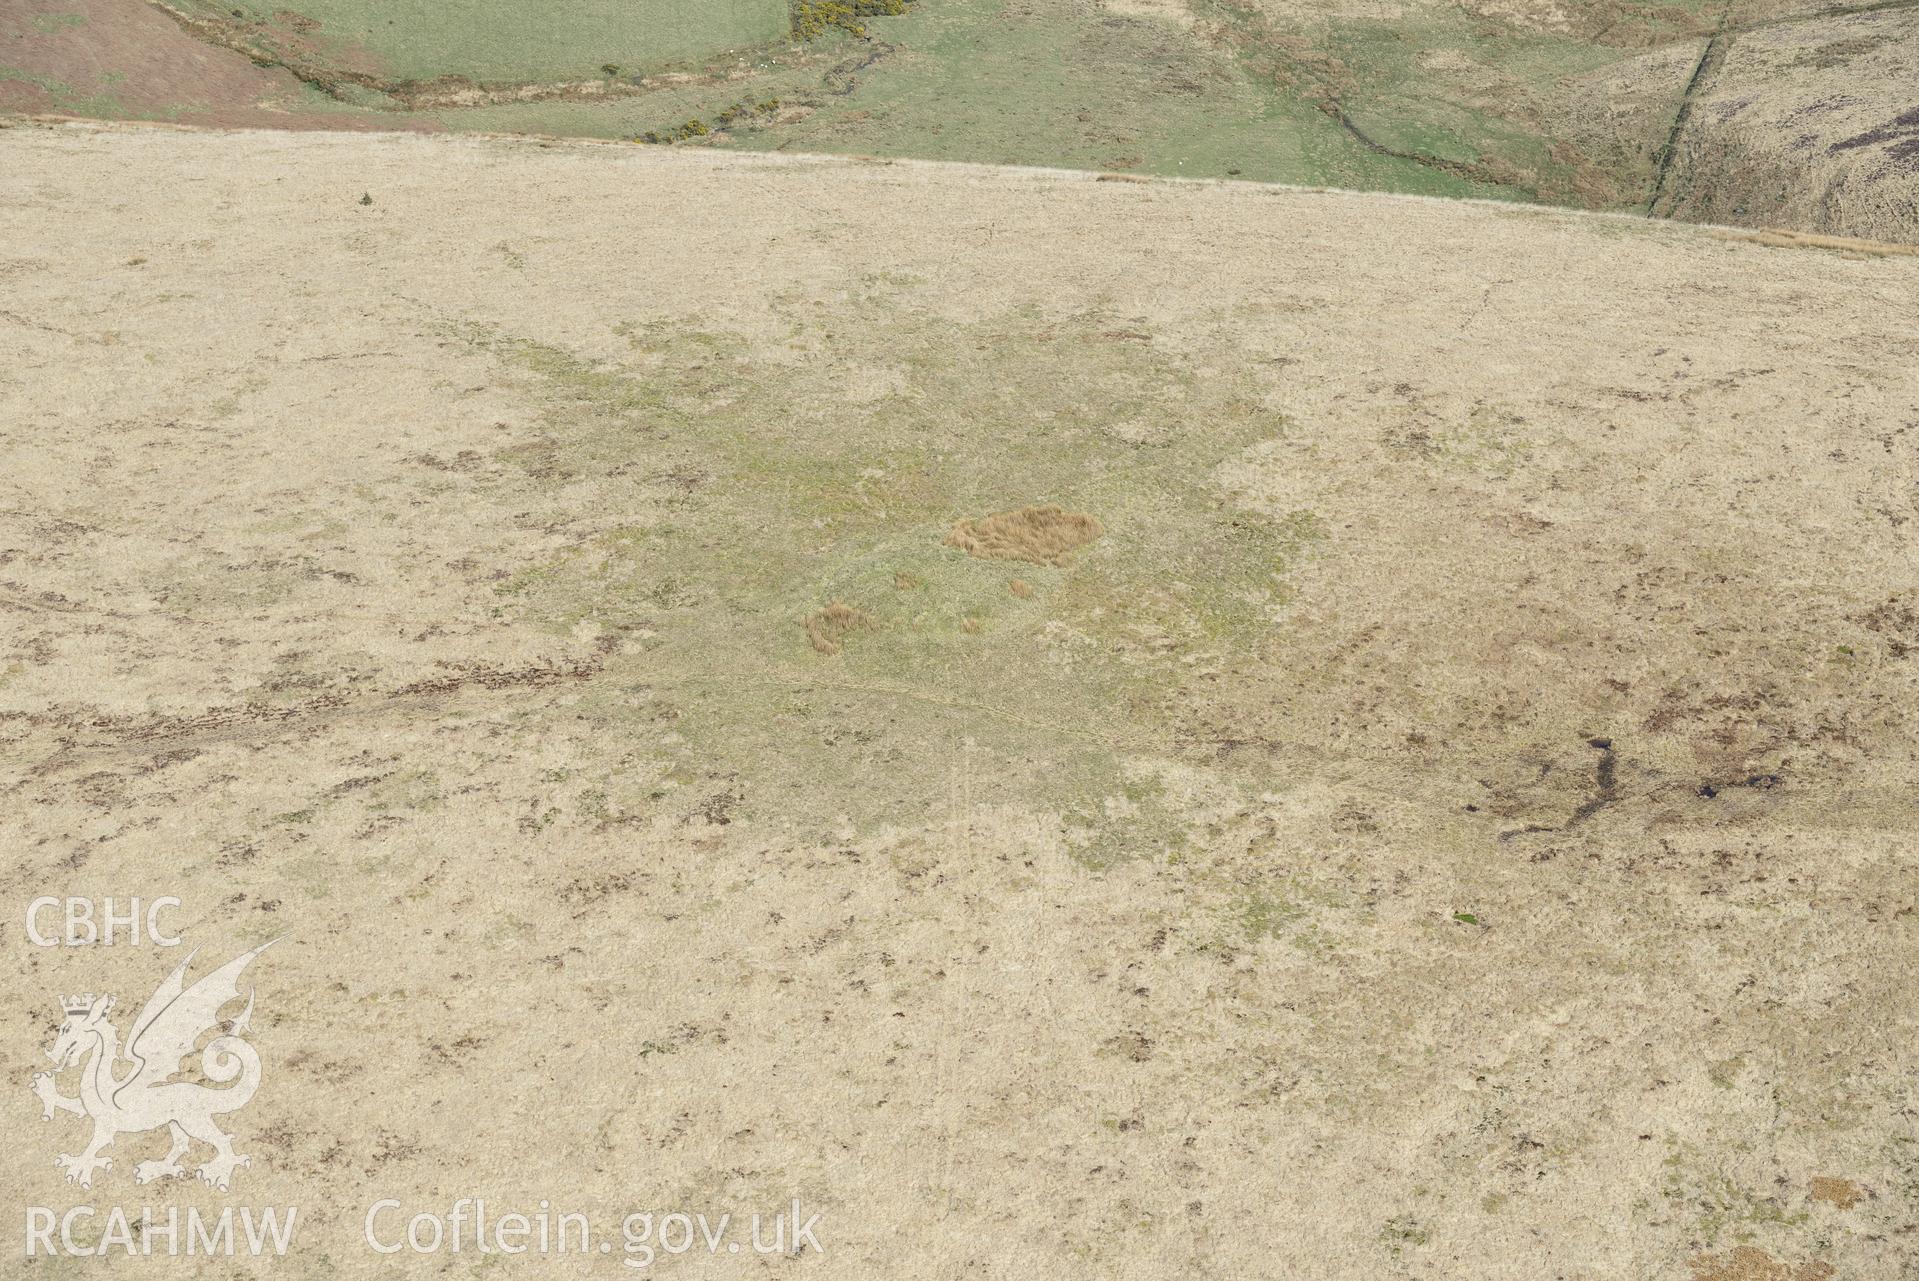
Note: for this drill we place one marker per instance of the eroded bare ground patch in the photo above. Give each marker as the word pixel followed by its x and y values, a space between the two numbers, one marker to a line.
pixel 1470 604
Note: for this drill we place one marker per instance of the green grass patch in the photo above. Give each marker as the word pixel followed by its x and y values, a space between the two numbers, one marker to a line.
pixel 751 492
pixel 511 40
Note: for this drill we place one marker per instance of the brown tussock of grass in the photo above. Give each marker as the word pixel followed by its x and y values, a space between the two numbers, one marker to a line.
pixel 828 628
pixel 1038 535
pixel 1748 1263
pixel 1020 588
pixel 1843 1193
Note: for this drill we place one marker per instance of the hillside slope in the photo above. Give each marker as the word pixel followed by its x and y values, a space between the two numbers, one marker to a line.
pixel 1419 786
pixel 1757 112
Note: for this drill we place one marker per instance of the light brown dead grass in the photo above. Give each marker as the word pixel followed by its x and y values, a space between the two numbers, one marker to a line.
pixel 1843 1193
pixel 1748 1263
pixel 1775 238
pixel 1480 531
pixel 828 628
pixel 1047 535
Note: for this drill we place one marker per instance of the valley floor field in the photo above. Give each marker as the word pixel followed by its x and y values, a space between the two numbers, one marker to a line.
pixel 1755 112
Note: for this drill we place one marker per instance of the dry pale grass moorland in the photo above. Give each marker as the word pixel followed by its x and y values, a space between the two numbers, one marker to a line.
pixel 1083 729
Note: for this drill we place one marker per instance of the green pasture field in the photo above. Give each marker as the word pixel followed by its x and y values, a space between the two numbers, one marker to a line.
pixel 1058 83
pixel 549 40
